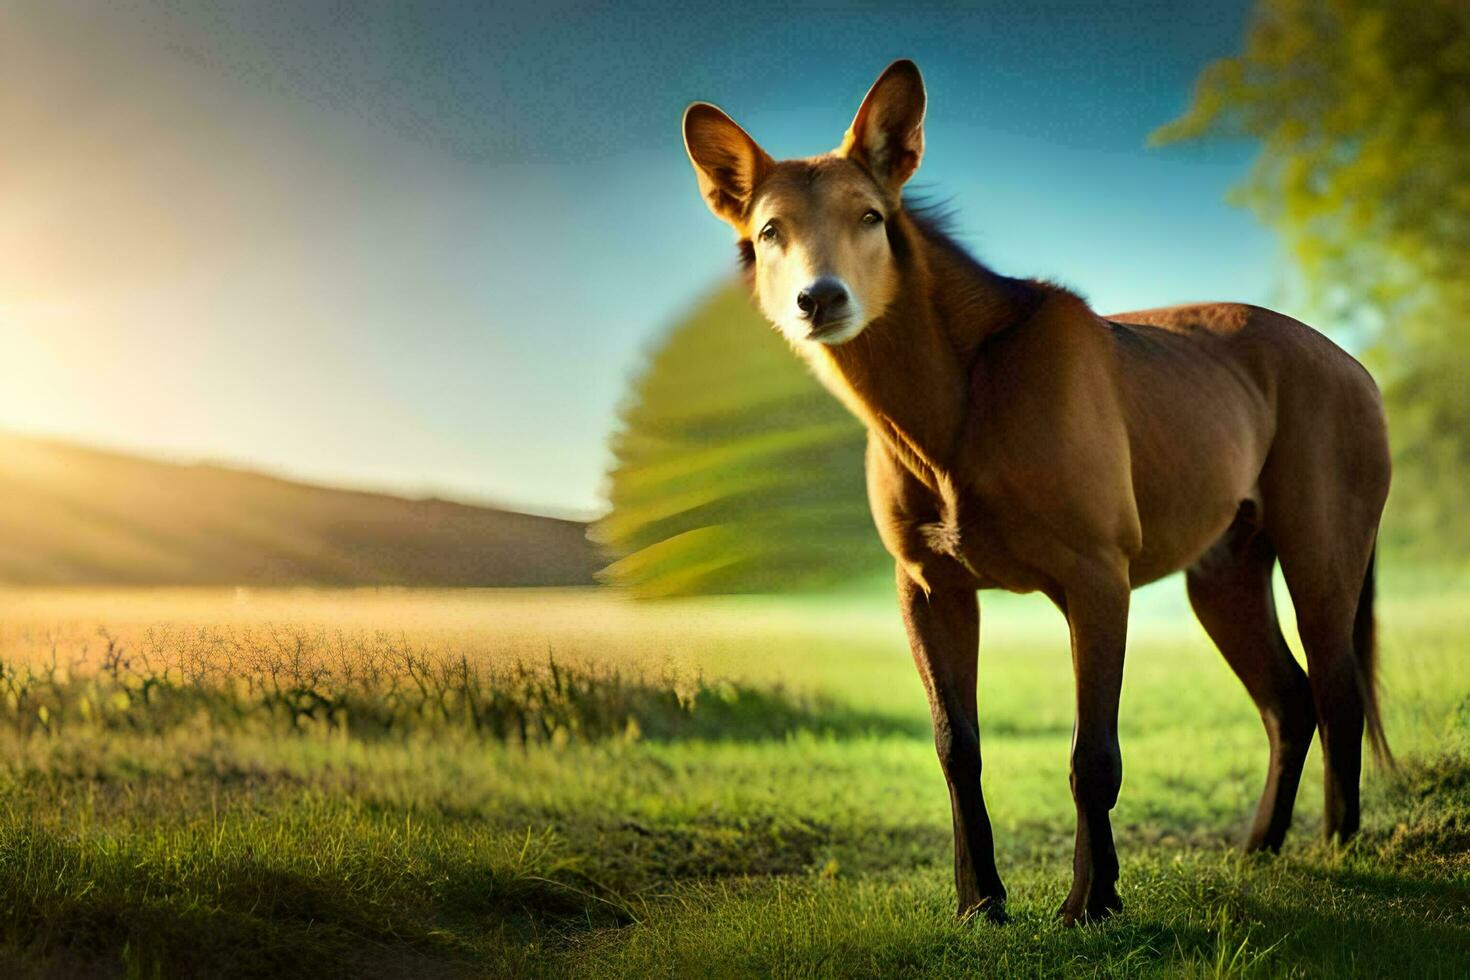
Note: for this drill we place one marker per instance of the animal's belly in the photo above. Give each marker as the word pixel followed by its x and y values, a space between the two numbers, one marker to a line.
pixel 1174 549
pixel 1189 481
pixel 1177 531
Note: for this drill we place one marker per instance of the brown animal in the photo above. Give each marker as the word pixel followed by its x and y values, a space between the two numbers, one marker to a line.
pixel 1018 440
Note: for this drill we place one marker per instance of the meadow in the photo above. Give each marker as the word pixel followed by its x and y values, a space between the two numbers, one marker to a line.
pixel 563 782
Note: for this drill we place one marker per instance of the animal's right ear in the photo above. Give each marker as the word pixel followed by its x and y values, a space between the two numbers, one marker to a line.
pixel 726 160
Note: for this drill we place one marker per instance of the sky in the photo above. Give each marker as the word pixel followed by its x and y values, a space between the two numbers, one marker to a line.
pixel 424 247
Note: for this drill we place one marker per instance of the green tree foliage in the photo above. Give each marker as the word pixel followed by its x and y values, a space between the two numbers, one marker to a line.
pixel 1362 112
pixel 733 471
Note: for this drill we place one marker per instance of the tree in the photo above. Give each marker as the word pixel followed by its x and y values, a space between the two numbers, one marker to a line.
pixel 733 471
pixel 1361 109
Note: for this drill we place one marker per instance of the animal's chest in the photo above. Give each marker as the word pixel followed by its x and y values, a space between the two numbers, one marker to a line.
pixel 974 534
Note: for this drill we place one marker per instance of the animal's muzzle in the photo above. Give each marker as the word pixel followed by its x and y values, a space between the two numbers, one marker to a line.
pixel 822 301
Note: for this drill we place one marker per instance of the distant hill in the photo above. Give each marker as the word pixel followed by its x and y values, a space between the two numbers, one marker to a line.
pixel 75 516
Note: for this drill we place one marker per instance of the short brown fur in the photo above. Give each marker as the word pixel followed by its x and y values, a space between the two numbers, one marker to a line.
pixel 1017 440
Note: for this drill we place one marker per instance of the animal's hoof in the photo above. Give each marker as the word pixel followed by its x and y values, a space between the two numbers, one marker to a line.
pixel 992 909
pixel 1097 908
pixel 1263 849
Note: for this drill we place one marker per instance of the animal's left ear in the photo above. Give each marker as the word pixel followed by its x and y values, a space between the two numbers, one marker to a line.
pixel 887 134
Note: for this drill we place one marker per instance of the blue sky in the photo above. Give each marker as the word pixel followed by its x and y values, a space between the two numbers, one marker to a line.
pixel 423 247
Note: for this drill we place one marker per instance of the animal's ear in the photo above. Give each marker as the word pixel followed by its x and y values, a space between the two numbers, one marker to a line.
pixel 887 134
pixel 726 160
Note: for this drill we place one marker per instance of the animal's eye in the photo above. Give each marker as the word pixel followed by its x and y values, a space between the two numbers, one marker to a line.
pixel 768 233
pixel 871 217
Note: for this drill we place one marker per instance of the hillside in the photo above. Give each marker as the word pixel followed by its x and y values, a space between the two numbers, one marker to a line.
pixel 75 516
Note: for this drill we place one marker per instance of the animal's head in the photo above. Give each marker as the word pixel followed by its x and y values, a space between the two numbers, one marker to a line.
pixel 819 234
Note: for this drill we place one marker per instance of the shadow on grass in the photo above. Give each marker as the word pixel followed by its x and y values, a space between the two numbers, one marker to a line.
pixel 115 913
pixel 1395 903
pixel 736 712
pixel 115 910
pixel 1342 924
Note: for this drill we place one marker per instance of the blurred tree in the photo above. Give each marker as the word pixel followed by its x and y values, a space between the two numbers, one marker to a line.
pixel 732 470
pixel 1362 112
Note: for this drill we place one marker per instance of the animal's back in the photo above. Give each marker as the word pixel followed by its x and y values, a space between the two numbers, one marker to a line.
pixel 1286 361
pixel 1217 318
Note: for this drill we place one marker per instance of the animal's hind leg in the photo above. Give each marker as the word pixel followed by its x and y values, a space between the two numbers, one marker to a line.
pixel 1325 623
pixel 1325 573
pixel 1230 590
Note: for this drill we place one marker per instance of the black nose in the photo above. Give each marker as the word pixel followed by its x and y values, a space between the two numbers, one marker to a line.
pixel 822 300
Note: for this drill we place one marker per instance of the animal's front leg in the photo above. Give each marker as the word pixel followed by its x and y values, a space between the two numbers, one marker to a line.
pixel 944 633
pixel 1097 611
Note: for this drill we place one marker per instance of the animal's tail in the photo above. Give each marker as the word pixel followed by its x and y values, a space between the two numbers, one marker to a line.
pixel 1365 648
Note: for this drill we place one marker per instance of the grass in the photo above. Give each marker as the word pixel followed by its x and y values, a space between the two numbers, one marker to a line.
pixel 400 784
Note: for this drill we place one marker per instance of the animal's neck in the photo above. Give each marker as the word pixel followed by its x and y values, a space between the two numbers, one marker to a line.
pixel 907 376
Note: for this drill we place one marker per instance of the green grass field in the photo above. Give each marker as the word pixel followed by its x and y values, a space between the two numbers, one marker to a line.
pixel 367 783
